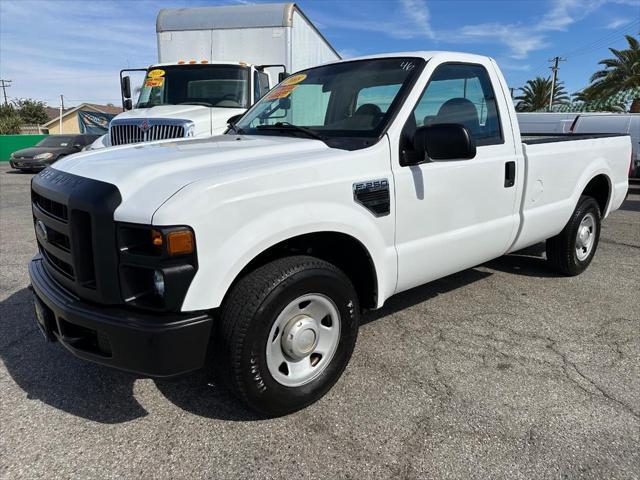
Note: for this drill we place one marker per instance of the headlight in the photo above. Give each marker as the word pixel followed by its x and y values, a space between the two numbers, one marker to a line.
pixel 156 265
pixel 43 156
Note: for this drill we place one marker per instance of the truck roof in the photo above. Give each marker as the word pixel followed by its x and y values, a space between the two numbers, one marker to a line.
pixel 425 54
pixel 199 62
pixel 226 16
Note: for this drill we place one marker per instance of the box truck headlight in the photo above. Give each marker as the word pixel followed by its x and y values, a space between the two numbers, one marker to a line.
pixel 43 156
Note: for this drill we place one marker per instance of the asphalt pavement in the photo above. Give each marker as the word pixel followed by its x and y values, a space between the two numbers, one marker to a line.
pixel 501 371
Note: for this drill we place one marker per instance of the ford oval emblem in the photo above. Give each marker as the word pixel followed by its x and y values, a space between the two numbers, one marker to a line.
pixel 41 229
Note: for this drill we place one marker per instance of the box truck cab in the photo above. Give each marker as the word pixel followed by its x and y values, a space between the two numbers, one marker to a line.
pixel 213 64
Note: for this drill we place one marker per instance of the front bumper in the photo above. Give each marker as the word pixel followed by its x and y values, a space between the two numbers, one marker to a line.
pixel 20 164
pixel 148 344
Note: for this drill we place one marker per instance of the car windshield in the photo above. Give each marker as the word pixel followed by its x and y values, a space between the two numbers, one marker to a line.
pixel 56 141
pixel 352 99
pixel 225 86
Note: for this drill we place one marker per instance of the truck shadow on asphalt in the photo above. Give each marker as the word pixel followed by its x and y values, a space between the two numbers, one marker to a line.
pixel 46 372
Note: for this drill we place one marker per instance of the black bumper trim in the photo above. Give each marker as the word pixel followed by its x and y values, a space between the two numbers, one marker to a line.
pixel 148 344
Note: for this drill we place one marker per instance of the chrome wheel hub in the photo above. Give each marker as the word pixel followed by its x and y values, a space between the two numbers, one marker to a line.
pixel 300 337
pixel 303 340
pixel 585 236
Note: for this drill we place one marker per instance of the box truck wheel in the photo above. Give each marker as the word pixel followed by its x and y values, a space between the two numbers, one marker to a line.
pixel 287 332
pixel 571 251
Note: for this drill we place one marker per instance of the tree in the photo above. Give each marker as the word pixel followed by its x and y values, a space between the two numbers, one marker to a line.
pixel 536 93
pixel 32 111
pixel 622 72
pixel 10 121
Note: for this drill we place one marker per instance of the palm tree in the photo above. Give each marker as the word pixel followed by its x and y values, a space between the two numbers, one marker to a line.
pixel 622 72
pixel 536 93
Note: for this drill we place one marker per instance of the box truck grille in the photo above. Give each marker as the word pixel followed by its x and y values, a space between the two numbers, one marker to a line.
pixel 145 131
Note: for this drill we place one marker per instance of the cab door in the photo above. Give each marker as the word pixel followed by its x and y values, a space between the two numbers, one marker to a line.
pixel 455 214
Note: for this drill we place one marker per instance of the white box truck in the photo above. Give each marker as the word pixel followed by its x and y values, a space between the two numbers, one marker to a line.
pixel 213 64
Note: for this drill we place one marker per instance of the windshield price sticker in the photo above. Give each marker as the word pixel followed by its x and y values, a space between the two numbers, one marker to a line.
pixel 154 82
pixel 282 91
pixel 294 79
pixel 155 73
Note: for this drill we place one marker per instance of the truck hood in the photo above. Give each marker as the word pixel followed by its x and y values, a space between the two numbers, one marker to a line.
pixel 208 120
pixel 148 174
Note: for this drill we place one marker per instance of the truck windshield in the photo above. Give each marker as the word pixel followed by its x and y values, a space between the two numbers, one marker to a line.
pixel 353 99
pixel 225 86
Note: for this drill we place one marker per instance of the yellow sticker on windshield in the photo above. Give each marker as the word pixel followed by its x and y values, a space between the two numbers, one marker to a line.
pixel 154 82
pixel 282 91
pixel 294 79
pixel 155 73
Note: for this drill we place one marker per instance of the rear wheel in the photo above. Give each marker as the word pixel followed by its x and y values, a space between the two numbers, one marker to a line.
pixel 571 251
pixel 288 330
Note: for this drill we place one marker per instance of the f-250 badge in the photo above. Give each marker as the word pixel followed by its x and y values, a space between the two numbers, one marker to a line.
pixel 374 196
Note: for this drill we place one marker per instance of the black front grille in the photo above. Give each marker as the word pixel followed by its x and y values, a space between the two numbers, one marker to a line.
pixel 123 134
pixel 73 218
pixel 55 209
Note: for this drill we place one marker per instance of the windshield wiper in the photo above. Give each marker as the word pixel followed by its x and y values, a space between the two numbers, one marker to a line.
pixel 290 126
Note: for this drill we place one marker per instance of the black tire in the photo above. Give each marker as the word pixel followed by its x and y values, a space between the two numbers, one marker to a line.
pixel 561 249
pixel 249 312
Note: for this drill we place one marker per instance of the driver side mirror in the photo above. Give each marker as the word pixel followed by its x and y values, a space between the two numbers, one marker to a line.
pixel 445 141
pixel 282 76
pixel 125 86
pixel 235 118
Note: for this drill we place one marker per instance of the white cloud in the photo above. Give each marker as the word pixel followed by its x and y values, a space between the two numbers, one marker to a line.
pixel 411 21
pixel 418 12
pixel 617 23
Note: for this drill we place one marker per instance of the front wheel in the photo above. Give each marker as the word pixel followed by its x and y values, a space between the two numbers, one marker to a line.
pixel 287 332
pixel 571 251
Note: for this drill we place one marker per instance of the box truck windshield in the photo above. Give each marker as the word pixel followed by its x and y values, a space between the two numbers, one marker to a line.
pixel 224 86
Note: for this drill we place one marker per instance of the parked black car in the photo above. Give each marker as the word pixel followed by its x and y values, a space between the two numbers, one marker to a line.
pixel 48 150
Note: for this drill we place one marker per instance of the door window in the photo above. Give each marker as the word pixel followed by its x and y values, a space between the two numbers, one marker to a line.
pixel 461 94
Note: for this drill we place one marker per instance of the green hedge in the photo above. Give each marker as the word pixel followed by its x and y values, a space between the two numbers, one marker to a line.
pixel 11 143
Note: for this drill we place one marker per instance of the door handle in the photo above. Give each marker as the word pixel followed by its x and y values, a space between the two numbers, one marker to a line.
pixel 509 174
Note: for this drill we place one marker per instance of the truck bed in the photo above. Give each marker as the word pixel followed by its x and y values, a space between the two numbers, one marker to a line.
pixel 536 138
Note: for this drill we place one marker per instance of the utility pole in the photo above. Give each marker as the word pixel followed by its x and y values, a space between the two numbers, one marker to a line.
pixel 61 111
pixel 554 78
pixel 4 84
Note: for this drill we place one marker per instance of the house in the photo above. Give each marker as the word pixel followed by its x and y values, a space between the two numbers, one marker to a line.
pixel 72 117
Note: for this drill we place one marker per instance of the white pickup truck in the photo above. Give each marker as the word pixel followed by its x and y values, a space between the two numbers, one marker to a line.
pixel 344 185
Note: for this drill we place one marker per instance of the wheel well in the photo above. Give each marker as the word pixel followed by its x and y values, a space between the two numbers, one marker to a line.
pixel 599 189
pixel 339 249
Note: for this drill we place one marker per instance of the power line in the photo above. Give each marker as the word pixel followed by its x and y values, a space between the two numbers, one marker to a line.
pixel 5 84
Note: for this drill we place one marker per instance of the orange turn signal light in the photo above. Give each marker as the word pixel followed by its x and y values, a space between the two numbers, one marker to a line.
pixel 180 242
pixel 156 238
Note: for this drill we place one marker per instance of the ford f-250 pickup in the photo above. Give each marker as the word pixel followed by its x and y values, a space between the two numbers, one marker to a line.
pixel 344 185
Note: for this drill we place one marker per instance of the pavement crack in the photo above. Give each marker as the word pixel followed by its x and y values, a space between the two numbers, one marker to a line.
pixel 568 364
pixel 622 244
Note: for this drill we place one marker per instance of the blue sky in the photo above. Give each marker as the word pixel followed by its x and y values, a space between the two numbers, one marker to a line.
pixel 78 47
